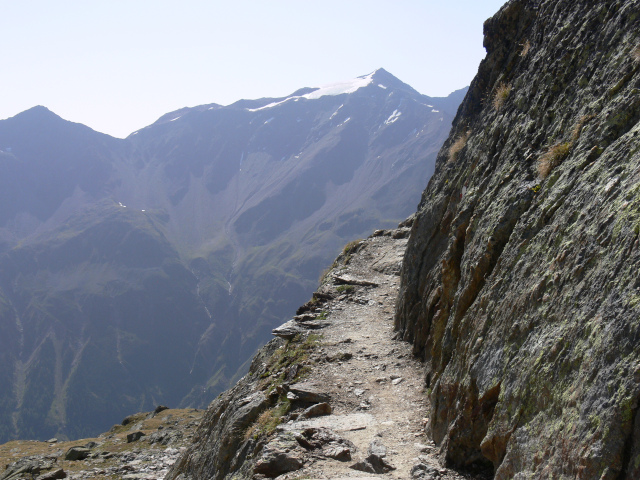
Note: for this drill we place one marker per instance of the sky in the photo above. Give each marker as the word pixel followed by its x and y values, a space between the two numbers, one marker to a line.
pixel 118 65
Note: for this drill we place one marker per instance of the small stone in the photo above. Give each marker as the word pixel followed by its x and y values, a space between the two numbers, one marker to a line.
pixel 425 472
pixel 373 464
pixel 52 440
pixel 358 392
pixel 378 449
pixel 423 448
pixel 337 452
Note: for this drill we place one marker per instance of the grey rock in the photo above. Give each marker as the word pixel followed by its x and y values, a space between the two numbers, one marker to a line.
pixel 348 280
pixel 425 472
pixel 274 462
pixel 134 436
pixel 401 233
pixel 375 461
pixel 377 448
pixel 309 393
pixel 77 453
pixel 373 464
pixel 26 467
pixel 523 256
pixel 53 475
pixel 317 410
pixel 290 329
pixel 337 452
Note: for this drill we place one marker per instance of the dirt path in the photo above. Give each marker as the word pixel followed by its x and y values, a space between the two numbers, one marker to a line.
pixel 376 386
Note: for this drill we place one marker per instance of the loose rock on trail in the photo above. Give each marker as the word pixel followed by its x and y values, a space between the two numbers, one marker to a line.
pixel 379 406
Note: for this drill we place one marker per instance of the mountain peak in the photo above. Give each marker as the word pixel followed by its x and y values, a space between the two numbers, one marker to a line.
pixel 379 77
pixel 39 112
pixel 383 77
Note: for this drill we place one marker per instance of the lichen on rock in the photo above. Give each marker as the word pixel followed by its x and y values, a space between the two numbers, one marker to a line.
pixel 522 293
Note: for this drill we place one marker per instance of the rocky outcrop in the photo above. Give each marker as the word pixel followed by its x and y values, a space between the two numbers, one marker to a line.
pixel 520 284
pixel 327 403
pixel 162 433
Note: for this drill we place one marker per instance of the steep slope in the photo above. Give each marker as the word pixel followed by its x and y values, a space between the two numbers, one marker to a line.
pixel 520 282
pixel 92 305
pixel 276 187
pixel 148 270
pixel 372 393
pixel 48 168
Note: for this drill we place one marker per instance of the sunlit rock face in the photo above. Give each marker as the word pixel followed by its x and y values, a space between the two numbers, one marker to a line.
pixel 520 285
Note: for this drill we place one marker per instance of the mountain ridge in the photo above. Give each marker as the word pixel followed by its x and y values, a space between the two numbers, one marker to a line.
pixel 240 210
pixel 518 287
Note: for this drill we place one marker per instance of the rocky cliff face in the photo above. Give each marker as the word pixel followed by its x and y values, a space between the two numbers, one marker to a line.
pixel 520 285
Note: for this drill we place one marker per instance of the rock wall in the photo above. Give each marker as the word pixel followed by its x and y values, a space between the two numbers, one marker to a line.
pixel 520 284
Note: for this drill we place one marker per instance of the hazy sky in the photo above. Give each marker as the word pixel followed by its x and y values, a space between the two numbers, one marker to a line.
pixel 118 65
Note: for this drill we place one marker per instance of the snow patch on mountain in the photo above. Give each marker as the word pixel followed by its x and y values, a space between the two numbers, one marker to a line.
pixel 332 89
pixel 393 117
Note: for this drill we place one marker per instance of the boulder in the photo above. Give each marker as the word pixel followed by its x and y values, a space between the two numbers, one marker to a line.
pixel 134 436
pixel 305 392
pixel 293 327
pixel 288 330
pixel 23 468
pixel 317 410
pixel 53 475
pixel 77 453
pixel 274 461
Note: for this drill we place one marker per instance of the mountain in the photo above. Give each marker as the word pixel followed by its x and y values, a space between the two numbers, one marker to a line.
pixel 519 288
pixel 148 270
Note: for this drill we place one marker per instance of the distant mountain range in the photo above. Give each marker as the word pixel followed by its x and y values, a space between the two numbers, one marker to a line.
pixel 148 270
